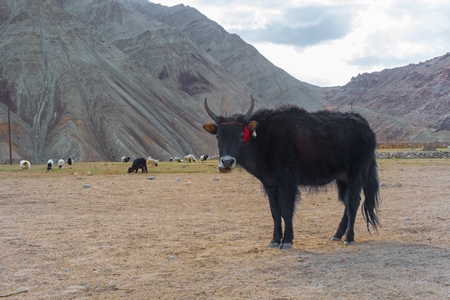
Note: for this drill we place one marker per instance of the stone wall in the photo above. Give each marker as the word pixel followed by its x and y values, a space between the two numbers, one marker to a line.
pixel 413 154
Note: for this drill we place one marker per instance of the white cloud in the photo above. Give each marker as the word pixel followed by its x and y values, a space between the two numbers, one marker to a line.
pixel 326 42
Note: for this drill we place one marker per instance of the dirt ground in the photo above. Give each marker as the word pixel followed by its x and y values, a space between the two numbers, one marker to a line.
pixel 206 236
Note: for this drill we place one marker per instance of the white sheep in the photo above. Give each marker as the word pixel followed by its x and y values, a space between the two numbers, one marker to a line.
pixel 189 158
pixel 60 163
pixel 152 162
pixel 25 164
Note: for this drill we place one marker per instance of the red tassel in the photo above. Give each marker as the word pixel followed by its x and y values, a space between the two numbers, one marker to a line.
pixel 246 134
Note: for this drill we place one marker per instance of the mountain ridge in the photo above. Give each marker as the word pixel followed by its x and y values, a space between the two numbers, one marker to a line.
pixel 99 79
pixel 418 94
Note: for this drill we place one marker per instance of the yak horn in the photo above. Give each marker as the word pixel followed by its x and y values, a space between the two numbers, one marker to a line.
pixel 250 109
pixel 210 112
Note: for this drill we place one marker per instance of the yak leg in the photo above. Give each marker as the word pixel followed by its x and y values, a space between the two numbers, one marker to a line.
pixel 282 204
pixel 347 223
pixel 342 228
pixel 287 196
pixel 349 193
pixel 272 194
pixel 352 207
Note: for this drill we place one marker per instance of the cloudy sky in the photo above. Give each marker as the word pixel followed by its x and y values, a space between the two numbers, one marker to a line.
pixel 327 42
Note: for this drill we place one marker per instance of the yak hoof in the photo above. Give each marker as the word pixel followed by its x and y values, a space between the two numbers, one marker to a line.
pixel 274 245
pixel 285 246
pixel 335 239
pixel 348 243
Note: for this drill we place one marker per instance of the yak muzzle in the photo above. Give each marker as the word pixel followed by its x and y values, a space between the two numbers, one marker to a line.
pixel 226 163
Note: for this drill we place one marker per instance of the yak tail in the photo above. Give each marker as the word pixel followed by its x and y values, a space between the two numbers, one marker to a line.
pixel 371 189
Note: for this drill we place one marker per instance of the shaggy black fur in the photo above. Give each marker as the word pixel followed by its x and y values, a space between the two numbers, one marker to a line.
pixel 138 163
pixel 291 147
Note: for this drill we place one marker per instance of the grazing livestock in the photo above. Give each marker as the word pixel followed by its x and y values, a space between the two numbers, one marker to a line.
pixel 125 159
pixel 288 147
pixel 138 163
pixel 189 158
pixel 25 164
pixel 204 158
pixel 60 163
pixel 69 162
pixel 174 159
pixel 49 165
pixel 152 162
pixel 156 160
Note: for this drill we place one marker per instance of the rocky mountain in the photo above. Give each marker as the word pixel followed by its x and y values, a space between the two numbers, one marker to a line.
pixel 236 56
pixel 99 79
pixel 406 103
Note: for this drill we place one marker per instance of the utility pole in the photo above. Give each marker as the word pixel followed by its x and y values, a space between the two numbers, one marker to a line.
pixel 8 99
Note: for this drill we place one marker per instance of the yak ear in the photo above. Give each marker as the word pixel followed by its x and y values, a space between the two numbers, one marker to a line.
pixel 211 128
pixel 252 125
pixel 252 128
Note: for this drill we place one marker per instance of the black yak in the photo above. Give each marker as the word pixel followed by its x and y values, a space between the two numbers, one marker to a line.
pixel 288 147
pixel 138 163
